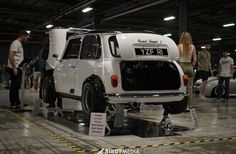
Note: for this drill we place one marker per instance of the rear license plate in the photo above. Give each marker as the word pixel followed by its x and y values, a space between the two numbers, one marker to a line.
pixel 151 51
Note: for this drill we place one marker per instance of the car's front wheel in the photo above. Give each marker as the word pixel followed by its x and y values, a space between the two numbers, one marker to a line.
pixel 215 91
pixel 91 102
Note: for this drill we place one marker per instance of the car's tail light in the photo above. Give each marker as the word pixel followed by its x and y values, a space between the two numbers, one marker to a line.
pixel 185 78
pixel 114 81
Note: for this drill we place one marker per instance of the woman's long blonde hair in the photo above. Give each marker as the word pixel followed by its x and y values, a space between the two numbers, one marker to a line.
pixel 186 40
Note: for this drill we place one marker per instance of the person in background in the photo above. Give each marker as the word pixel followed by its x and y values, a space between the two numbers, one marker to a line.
pixel 226 71
pixel 36 73
pixel 204 67
pixel 187 61
pixel 15 57
pixel 28 76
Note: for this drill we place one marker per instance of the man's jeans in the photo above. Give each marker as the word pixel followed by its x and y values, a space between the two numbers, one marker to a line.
pixel 15 86
pixel 220 86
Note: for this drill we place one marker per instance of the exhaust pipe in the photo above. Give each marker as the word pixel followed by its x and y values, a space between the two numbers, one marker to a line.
pixel 133 107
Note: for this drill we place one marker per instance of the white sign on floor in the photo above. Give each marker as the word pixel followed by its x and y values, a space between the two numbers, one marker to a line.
pixel 194 118
pixel 97 124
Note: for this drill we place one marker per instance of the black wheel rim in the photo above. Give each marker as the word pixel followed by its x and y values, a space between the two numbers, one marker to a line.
pixel 87 100
pixel 44 91
pixel 221 91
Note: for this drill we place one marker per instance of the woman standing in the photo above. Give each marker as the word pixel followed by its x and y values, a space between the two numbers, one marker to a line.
pixel 187 61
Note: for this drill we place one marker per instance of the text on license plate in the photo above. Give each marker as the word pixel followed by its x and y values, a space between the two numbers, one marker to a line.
pixel 151 51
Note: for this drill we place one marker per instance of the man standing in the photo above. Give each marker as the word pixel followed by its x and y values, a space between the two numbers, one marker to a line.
pixel 226 72
pixel 204 66
pixel 15 57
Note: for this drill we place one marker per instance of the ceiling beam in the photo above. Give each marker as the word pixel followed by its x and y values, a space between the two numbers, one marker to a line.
pixel 63 13
pixel 68 2
pixel 125 9
pixel 22 7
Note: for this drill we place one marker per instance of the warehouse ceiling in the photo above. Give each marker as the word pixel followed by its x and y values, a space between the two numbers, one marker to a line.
pixel 205 17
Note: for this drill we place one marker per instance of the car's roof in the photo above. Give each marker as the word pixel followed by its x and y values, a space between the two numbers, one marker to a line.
pixel 108 32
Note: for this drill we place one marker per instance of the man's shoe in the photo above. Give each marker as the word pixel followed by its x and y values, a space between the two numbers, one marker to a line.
pixel 217 100
pixel 187 109
pixel 18 106
pixel 225 100
pixel 13 107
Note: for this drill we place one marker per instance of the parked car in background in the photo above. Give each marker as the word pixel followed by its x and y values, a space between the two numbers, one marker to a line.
pixel 211 87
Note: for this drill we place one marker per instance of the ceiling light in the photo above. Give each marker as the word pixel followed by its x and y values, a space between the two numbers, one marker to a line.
pixel 49 26
pixel 203 47
pixel 82 124
pixel 217 39
pixel 87 9
pixel 169 18
pixel 235 50
pixel 167 35
pixel 229 25
pixel 28 31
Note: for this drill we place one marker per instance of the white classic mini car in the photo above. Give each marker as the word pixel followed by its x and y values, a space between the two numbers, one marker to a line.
pixel 101 69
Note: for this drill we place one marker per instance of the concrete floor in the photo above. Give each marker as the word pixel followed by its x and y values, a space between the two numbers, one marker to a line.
pixel 27 133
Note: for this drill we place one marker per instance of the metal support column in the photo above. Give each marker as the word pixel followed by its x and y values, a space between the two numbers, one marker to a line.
pixel 183 16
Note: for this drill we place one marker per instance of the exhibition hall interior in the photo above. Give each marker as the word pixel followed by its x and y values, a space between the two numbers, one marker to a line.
pixel 117 76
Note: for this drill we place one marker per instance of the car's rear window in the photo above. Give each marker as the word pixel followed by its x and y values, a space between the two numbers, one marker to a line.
pixel 113 45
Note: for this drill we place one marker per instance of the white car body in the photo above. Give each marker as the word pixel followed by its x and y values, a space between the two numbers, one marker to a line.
pixel 71 74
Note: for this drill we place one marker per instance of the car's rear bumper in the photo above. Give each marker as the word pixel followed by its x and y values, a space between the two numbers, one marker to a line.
pixel 143 98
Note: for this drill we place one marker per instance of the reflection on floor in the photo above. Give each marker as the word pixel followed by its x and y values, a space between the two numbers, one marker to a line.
pixel 79 122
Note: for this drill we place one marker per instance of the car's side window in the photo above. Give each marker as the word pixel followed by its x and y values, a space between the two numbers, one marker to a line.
pixel 91 47
pixel 72 49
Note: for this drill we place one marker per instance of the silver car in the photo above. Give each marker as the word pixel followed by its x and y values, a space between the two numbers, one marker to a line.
pixel 211 87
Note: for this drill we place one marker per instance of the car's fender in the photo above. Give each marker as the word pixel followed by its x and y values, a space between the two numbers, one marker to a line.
pixel 97 84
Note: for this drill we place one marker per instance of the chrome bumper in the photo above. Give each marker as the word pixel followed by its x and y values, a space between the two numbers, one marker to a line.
pixel 149 97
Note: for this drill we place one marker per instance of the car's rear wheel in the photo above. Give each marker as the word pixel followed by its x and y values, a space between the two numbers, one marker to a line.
pixel 176 107
pixel 91 102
